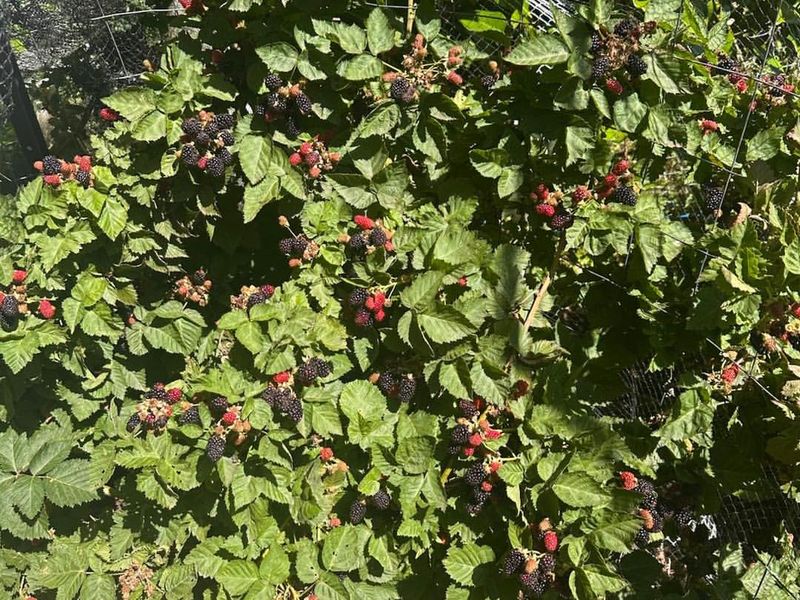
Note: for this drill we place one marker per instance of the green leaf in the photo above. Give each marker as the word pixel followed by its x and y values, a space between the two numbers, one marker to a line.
pixel 613 533
pixel 279 56
pixel 380 35
pixel 462 563
pixel 629 112
pixel 255 154
pixel 578 489
pixel 343 549
pixel 765 144
pixel 74 482
pixel 259 195
pixel 237 576
pixel 360 67
pixel 692 414
pixel 444 324
pixel 151 127
pixel 541 49
pixel 422 292
pixel 113 218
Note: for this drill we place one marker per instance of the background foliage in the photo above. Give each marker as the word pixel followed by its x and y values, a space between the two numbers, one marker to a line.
pixel 89 509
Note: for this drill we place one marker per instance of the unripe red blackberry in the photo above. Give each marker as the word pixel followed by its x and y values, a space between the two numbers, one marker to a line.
pixel 215 448
pixel 358 510
pixel 625 195
pixel 475 475
pixel 189 155
pixel 363 318
pixel 387 383
pixel 377 237
pixel 224 121
pixel 190 416
pixel 312 158
pixel 303 104
pixel 406 389
pixel 133 422
pixel 381 499
pixel 550 541
pixel 460 434
pixel 358 297
pixel 636 66
pixel 51 165
pixel 273 82
pixel 513 562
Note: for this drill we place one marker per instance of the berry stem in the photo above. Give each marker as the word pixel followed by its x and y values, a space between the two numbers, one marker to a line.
pixel 537 302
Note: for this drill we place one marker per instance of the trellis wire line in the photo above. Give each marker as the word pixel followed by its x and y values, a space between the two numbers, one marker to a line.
pixel 132 12
pixel 113 39
pixel 750 109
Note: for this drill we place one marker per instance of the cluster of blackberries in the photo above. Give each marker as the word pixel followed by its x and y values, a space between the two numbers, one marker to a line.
pixel 206 142
pixel 368 308
pixel 371 236
pixel 190 415
pixel 616 186
pixel 297 249
pixel 251 295
pixel 284 101
pixel 536 573
pixel 618 50
pixel 155 409
pixel 261 295
pixel 651 510
pixel 379 500
pixel 9 312
pixel 56 171
pixel 402 90
pixel 397 385
pixel 283 399
pixel 215 448
pixel 194 288
pixel 309 371
pixel 729 68
pixel 315 156
pixel 477 478
pixel 713 197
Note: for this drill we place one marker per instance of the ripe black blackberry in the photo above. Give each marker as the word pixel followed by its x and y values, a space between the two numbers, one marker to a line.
pixel 400 89
pixel 357 244
pixel 275 103
pixel 211 129
pixel 658 521
pixel 286 246
pixel 358 511
pixel 381 499
pixel 726 65
pixel 600 67
pixel 406 389
pixel 215 448
pixel 292 128
pixel 324 367
pixel 625 28
pixel 547 563
pixel 561 220
pixel 460 434
pixel 539 587
pixel 51 165
pixel 649 502
pixel 215 167
pixel 474 509
pixel 645 487
pixel 133 422
pixel 190 416
pixel 299 245
pixel 713 197
pixel 271 396
pixel 597 43
pixel 513 562
pixel 258 297
pixel 225 156
pixel 475 475
pixel 259 110
pixel 642 537
pixel 625 195
pixel 306 373
pixel 363 318
pixel 488 81
pixel 454 449
pixel 189 155
pixel 480 496
pixel 358 297
pixel 273 82
pixel 468 408
pixel 227 139
pixel 219 404
pixel 387 383
pixel 529 580
pixel 294 409
pixel 158 392
pixel 191 127
pixel 683 517
pixel 202 139
pixel 84 178
pixel 223 121
pixel 303 104
pixel 636 65
pixel 377 237
pixel 199 276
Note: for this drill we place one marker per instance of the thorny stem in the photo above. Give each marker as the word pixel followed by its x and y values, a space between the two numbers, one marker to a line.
pixel 537 302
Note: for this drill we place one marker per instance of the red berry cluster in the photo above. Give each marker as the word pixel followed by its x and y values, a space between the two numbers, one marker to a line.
pixel 56 171
pixel 617 185
pixel 192 5
pixel 650 509
pixel 371 236
pixel 708 126
pixel 315 156
pixel 155 409
pixel 729 68
pixel 18 296
pixel 195 288
pixel 550 205
pixel 472 429
pixel 368 307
